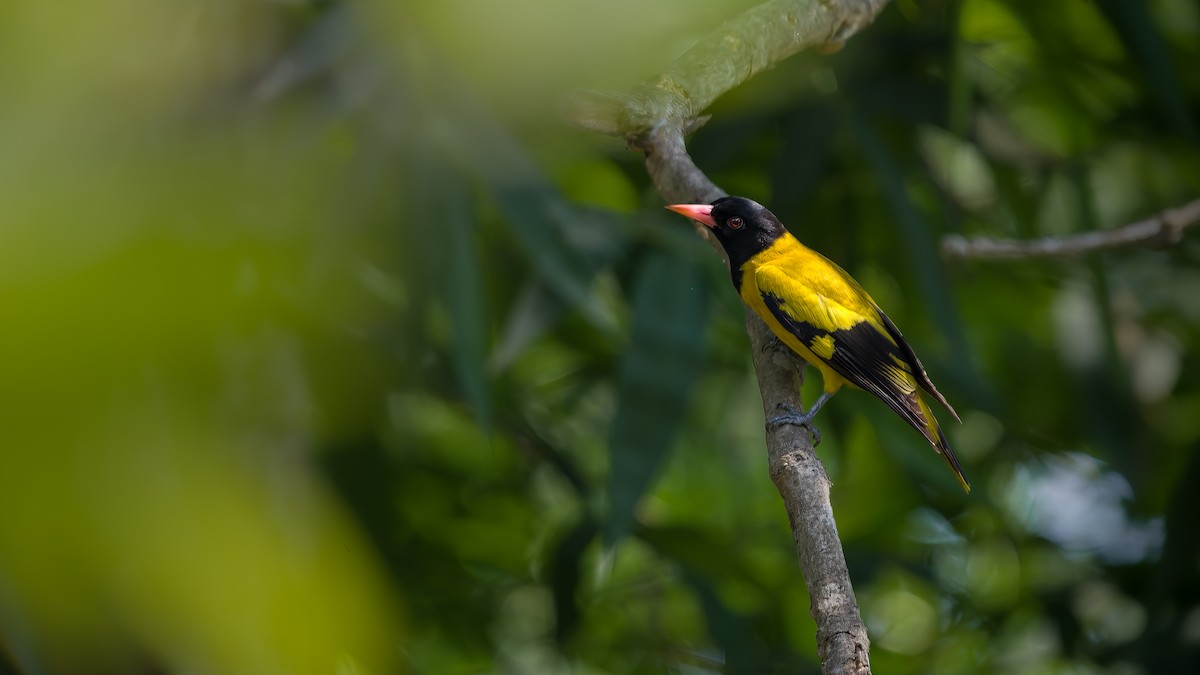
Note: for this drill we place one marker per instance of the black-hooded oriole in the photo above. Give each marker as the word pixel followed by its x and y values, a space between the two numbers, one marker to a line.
pixel 822 314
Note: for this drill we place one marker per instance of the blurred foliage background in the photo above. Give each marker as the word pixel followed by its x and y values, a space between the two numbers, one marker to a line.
pixel 328 347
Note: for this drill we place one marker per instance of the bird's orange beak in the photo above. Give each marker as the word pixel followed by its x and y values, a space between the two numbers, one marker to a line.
pixel 701 213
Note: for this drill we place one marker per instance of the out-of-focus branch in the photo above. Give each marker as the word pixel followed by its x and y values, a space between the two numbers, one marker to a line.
pixel 1162 230
pixel 749 43
pixel 654 117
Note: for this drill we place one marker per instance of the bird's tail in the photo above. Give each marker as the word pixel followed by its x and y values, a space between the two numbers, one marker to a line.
pixel 933 433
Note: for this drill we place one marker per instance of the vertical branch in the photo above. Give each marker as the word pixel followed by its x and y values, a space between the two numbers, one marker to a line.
pixel 654 117
pixel 795 469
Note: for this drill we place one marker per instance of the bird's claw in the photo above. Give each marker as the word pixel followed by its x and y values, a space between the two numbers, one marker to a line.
pixel 773 343
pixel 795 417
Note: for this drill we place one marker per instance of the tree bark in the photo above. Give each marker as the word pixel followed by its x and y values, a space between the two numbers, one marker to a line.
pixel 654 117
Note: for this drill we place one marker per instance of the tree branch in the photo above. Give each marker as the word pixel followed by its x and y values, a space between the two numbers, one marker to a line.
pixel 1160 231
pixel 749 43
pixel 654 117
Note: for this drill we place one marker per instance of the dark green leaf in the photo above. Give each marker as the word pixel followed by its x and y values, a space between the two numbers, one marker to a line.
pixel 1134 24
pixel 918 238
pixel 657 375
pixel 535 311
pixel 807 142
pixel 466 299
pixel 566 243
pixel 564 576
pixel 556 236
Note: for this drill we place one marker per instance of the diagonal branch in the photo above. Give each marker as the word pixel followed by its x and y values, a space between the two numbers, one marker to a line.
pixel 753 41
pixel 1162 230
pixel 654 117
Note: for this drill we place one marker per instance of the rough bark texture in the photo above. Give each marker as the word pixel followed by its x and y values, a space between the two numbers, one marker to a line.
pixel 654 117
pixel 800 477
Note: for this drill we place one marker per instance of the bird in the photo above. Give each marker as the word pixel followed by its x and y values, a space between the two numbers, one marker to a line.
pixel 823 315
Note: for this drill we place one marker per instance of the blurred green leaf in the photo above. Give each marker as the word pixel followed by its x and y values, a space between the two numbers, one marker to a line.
pixel 1182 545
pixel 658 373
pixel 544 223
pixel 535 310
pixel 705 555
pixel 1135 25
pixel 565 243
pixel 565 574
pixel 466 297
pixel 804 151
pixel 921 249
pixel 741 651
pixel 960 84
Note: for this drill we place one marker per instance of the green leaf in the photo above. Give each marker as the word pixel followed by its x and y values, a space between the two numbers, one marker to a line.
pixel 705 554
pixel 565 243
pixel 709 563
pixel 465 296
pixel 534 312
pixel 744 651
pixel 919 240
pixel 803 155
pixel 1134 24
pixel 564 576
pixel 657 376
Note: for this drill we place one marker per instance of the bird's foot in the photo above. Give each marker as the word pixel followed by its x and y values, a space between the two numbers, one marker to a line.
pixel 773 343
pixel 792 416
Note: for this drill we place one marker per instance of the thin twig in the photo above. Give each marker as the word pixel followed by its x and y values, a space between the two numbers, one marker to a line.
pixel 1160 231
pixel 654 117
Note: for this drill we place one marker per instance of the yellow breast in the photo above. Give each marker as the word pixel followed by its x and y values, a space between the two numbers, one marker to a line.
pixel 821 347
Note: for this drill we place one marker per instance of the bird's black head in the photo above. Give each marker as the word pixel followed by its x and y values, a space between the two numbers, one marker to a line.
pixel 743 226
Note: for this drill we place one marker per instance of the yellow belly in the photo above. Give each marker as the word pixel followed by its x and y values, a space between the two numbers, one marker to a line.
pixel 831 380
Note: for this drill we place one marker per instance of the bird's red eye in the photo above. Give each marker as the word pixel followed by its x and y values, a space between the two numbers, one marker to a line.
pixel 735 223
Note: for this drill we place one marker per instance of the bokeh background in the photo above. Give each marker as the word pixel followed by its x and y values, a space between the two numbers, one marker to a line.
pixel 327 346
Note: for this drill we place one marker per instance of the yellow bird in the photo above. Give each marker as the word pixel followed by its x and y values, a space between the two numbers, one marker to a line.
pixel 823 315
